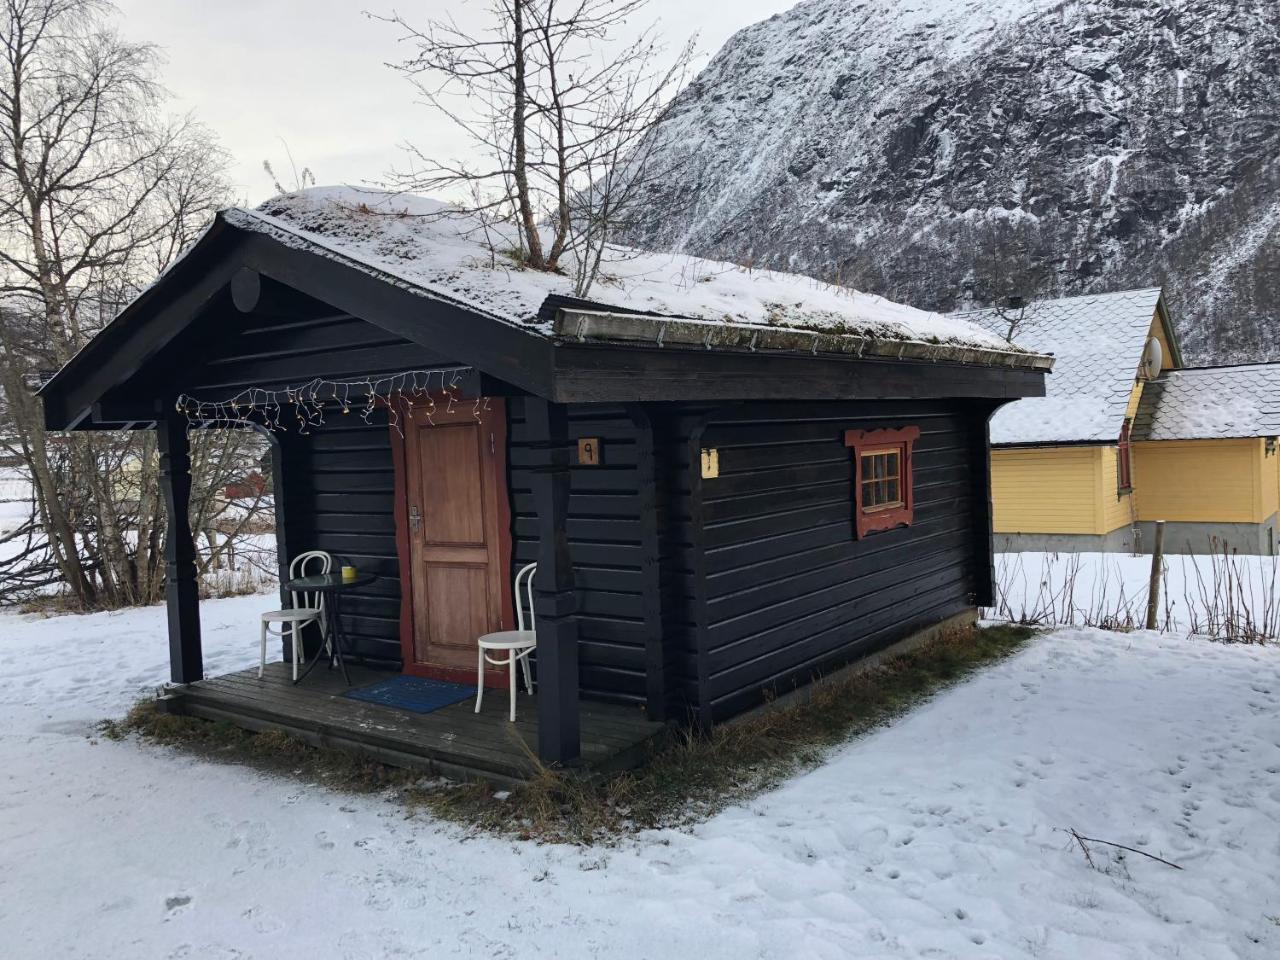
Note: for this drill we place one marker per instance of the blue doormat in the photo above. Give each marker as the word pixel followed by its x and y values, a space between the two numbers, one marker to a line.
pixel 413 693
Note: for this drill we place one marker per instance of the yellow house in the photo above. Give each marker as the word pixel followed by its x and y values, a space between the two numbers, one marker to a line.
pixel 1205 459
pixel 1127 435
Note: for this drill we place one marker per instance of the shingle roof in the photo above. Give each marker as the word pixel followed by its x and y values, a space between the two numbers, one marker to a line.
pixel 1098 341
pixel 1208 403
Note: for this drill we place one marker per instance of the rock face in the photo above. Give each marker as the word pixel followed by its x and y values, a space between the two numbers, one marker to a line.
pixel 942 152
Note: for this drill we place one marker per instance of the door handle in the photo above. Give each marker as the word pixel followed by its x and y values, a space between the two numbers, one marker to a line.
pixel 415 519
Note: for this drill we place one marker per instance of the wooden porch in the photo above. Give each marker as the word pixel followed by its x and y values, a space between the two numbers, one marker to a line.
pixel 453 741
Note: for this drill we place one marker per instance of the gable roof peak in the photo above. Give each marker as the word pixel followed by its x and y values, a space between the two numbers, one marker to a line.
pixel 1097 340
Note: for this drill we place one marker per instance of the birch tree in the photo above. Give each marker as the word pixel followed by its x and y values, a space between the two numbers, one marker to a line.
pixel 99 191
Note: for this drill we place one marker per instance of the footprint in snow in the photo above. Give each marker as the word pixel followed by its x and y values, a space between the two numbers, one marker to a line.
pixel 872 839
pixel 262 922
pixel 177 901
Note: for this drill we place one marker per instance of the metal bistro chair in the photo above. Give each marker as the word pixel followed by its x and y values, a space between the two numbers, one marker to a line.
pixel 518 643
pixel 307 608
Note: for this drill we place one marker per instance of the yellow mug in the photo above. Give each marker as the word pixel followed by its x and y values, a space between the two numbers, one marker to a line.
pixel 348 574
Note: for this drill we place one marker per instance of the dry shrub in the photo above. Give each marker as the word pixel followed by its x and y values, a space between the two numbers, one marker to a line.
pixel 1221 599
pixel 1227 604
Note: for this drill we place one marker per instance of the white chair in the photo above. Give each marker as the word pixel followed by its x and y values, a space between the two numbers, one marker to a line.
pixel 307 608
pixel 517 643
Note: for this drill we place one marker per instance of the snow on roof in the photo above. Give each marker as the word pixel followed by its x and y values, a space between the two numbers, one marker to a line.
pixel 1207 403
pixel 422 244
pixel 1097 341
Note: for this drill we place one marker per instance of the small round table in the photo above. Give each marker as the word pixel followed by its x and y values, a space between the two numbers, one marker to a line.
pixel 333 587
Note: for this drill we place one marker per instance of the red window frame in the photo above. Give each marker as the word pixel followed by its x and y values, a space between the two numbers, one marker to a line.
pixel 1124 460
pixel 866 443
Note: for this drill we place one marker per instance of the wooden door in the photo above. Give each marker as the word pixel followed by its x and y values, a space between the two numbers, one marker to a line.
pixel 458 537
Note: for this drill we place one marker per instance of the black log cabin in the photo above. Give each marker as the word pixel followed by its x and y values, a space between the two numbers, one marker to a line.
pixel 755 504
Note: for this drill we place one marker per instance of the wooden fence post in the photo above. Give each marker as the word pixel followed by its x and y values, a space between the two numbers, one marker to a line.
pixel 1153 590
pixel 181 589
pixel 555 597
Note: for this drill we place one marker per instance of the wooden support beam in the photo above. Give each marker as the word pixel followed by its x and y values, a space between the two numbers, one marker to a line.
pixel 181 591
pixel 983 531
pixel 555 601
pixel 120 412
pixel 602 374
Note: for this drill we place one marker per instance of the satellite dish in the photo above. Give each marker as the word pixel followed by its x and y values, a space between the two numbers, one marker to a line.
pixel 1152 360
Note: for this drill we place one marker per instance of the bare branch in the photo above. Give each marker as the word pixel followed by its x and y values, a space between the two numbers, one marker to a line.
pixel 558 107
pixel 99 190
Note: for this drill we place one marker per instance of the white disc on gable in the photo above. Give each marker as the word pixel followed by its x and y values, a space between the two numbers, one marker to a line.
pixel 1152 360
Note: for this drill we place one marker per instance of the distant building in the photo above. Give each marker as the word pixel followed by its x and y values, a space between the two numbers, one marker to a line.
pixel 1127 435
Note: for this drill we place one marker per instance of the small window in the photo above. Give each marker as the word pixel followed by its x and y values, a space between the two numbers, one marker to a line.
pixel 882 478
pixel 1124 461
pixel 883 495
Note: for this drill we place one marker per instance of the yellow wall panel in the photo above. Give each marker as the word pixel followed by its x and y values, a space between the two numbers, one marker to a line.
pixel 1204 481
pixel 1045 490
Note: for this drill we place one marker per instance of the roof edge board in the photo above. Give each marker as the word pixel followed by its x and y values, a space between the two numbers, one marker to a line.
pixel 605 327
pixel 1170 331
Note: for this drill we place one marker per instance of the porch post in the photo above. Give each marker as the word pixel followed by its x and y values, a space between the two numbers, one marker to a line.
pixel 555 598
pixel 181 591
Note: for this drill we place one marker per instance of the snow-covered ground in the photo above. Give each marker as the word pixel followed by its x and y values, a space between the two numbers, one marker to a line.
pixel 15 499
pixel 938 836
pixel 1089 588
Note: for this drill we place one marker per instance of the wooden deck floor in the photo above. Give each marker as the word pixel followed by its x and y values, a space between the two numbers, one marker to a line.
pixel 453 741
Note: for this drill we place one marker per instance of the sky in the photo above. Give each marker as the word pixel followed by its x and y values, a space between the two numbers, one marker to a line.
pixel 312 74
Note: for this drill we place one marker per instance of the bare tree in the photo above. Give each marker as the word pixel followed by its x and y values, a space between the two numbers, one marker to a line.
pixel 1013 314
pixel 99 191
pixel 558 108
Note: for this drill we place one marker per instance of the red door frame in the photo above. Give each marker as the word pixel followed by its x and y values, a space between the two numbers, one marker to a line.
pixel 496 678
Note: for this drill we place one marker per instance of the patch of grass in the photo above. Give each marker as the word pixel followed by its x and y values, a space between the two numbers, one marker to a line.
pixel 520 257
pixel 684 781
pixel 51 605
pixel 696 776
pixel 272 750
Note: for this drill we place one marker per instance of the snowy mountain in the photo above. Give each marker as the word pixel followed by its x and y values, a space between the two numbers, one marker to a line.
pixel 940 152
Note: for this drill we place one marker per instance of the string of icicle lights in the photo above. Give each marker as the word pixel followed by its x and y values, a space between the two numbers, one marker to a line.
pixel 303 407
